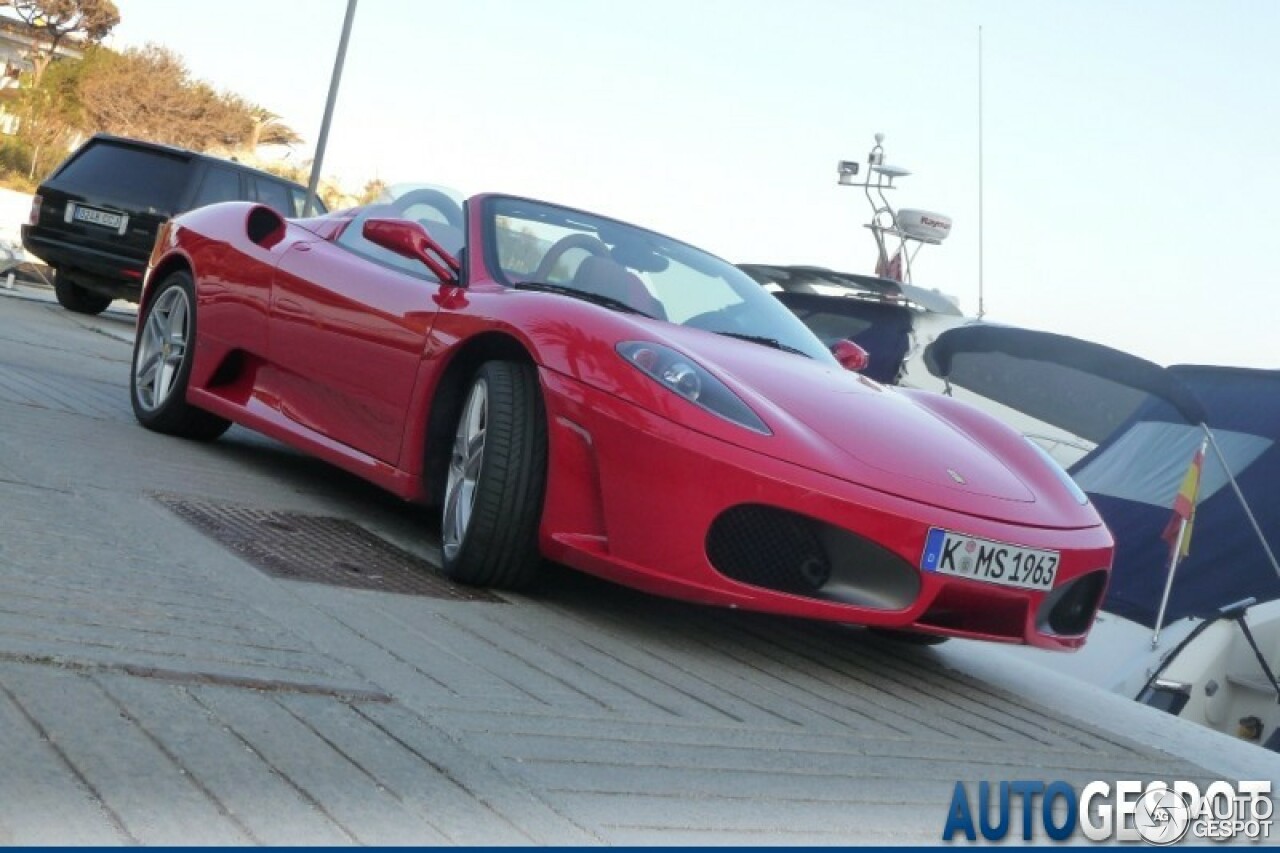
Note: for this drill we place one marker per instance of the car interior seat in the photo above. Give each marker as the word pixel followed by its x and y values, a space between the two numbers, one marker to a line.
pixel 606 277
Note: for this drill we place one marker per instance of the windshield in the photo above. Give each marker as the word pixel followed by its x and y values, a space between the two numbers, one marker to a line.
pixel 612 262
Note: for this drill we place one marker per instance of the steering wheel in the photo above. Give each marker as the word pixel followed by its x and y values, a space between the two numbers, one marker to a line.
pixel 448 208
pixel 585 242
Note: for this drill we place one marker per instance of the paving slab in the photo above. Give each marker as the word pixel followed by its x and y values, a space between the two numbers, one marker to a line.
pixel 156 687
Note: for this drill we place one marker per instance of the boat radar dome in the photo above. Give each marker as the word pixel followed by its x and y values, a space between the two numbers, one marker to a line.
pixel 923 225
pixel 891 171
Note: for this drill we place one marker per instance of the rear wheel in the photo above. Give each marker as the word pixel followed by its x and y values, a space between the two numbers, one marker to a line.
pixel 162 356
pixel 76 298
pixel 497 477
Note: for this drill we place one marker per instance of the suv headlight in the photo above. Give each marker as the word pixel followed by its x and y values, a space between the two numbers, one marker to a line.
pixel 684 376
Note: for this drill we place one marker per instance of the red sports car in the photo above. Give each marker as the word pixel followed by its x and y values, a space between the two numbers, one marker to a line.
pixel 571 387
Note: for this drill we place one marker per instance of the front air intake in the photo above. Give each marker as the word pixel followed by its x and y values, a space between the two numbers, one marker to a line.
pixel 787 552
pixel 1068 610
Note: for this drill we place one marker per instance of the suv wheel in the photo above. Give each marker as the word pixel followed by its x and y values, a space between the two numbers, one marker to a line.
pixel 75 298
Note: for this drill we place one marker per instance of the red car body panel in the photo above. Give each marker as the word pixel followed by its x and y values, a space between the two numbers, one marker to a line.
pixel 343 358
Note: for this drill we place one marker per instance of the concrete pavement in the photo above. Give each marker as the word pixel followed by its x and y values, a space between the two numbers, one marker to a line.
pixel 157 688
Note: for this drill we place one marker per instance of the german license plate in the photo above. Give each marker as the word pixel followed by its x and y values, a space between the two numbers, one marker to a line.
pixel 950 553
pixel 105 218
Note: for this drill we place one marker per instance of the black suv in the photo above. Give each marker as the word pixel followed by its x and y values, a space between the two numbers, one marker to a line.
pixel 94 220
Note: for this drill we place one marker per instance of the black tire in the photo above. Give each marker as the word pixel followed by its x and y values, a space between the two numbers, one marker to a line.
pixel 173 415
pixel 75 298
pixel 497 546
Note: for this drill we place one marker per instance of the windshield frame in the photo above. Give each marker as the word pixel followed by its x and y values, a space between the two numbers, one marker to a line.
pixel 776 320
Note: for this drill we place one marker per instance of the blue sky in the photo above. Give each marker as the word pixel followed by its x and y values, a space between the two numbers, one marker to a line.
pixel 1132 170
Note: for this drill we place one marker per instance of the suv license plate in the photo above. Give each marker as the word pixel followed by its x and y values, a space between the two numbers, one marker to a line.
pixel 104 218
pixel 992 562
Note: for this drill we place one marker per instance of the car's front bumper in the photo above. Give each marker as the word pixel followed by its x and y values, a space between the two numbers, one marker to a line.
pixel 634 497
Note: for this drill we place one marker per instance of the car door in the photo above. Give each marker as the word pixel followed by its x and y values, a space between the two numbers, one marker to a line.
pixel 348 327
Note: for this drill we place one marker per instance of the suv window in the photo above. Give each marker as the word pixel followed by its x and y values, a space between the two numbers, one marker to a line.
pixel 274 195
pixel 128 176
pixel 100 210
pixel 219 184
pixel 300 203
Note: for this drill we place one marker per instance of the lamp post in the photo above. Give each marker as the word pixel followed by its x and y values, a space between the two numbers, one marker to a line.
pixel 338 62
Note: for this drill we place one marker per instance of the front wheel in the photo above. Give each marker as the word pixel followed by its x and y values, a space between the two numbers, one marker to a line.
pixel 497 477
pixel 162 356
pixel 75 298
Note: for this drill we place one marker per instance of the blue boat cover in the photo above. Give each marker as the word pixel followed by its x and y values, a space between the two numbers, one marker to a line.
pixel 1133 475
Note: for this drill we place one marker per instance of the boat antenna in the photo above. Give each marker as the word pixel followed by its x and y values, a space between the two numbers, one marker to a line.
pixel 982 306
pixel 910 228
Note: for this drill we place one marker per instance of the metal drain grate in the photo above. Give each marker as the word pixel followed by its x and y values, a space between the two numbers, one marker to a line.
pixel 318 549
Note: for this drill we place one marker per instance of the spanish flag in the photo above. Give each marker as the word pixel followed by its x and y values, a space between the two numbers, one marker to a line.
pixel 1184 506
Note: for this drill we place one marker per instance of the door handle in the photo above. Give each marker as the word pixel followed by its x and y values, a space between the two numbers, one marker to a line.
pixel 292 308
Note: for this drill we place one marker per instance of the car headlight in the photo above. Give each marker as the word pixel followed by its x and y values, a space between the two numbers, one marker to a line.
pixel 1063 476
pixel 684 376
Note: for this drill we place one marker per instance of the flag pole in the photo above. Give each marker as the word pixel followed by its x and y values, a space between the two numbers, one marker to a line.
pixel 1222 460
pixel 1176 551
pixel 1174 558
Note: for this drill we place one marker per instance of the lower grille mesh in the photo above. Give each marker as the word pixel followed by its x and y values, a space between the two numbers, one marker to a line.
pixel 768 547
pixel 787 552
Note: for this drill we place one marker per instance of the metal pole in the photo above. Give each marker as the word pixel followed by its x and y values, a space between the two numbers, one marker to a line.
pixel 1168 584
pixel 1257 653
pixel 1240 495
pixel 318 162
pixel 1177 551
pixel 982 305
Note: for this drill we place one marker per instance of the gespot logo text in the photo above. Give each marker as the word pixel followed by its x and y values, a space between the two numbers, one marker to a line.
pixel 1156 812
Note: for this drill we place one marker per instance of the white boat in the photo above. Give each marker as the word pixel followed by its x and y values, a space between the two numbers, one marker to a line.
pixel 1201 641
pixel 896 320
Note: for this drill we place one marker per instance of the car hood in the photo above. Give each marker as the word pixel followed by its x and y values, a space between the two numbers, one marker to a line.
pixel 923 447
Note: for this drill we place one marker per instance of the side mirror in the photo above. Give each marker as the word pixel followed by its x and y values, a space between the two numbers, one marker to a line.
pixel 411 240
pixel 850 355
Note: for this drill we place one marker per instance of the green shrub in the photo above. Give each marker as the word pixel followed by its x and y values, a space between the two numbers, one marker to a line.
pixel 15 155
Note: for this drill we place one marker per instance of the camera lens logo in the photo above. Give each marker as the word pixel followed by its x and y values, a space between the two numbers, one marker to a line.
pixel 1162 816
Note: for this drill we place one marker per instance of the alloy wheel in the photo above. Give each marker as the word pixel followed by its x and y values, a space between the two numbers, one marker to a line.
pixel 162 348
pixel 464 469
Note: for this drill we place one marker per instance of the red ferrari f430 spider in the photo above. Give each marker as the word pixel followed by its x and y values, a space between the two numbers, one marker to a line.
pixel 565 386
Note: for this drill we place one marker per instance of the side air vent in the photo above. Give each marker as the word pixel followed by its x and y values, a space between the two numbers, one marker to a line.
pixel 264 226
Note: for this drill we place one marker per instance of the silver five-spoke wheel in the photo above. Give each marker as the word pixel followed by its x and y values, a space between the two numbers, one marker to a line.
pixel 161 348
pixel 464 469
pixel 163 355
